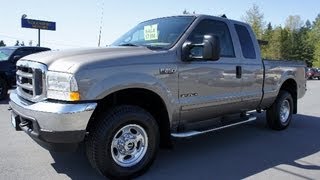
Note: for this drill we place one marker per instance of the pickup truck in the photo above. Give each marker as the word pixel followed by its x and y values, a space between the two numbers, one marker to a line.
pixel 8 58
pixel 172 77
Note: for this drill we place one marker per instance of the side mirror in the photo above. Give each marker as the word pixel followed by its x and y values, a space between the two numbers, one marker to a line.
pixel 210 49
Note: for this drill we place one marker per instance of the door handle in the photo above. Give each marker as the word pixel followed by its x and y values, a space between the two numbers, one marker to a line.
pixel 238 72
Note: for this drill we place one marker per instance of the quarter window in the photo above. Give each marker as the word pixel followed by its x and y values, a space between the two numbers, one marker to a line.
pixel 245 39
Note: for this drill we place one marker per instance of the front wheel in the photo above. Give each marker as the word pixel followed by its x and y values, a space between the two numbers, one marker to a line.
pixel 279 115
pixel 123 142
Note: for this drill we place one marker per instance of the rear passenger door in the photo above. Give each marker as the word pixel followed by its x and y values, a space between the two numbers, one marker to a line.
pixel 251 66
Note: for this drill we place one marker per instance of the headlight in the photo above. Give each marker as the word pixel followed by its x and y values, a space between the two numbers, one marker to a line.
pixel 62 86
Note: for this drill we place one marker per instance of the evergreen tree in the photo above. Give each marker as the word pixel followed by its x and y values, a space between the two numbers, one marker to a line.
pixel 2 43
pixel 315 40
pixel 267 36
pixel 17 43
pixel 295 41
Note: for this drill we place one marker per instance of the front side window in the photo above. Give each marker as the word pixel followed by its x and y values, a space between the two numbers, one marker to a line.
pixel 212 27
pixel 5 53
pixel 160 33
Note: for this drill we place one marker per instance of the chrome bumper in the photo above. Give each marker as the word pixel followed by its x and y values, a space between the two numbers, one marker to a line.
pixel 52 116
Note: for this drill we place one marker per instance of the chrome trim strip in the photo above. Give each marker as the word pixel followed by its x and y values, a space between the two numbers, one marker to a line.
pixel 25 75
pixel 25 86
pixel 195 133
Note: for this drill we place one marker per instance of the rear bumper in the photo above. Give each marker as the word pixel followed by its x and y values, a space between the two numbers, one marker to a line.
pixel 55 126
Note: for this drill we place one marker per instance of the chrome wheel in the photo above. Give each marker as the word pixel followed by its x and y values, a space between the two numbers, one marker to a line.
pixel 284 111
pixel 129 145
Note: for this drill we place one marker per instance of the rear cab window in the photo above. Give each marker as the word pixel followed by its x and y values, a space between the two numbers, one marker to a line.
pixel 247 46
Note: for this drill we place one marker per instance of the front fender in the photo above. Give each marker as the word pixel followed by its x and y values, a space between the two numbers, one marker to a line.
pixel 99 86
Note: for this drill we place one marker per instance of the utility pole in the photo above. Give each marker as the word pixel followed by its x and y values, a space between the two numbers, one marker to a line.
pixel 39 37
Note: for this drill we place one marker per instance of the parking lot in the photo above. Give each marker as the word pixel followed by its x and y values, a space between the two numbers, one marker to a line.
pixel 249 151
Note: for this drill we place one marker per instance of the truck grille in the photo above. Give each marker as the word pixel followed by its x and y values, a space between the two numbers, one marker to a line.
pixel 31 80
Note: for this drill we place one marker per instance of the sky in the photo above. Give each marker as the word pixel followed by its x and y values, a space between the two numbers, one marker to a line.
pixel 78 22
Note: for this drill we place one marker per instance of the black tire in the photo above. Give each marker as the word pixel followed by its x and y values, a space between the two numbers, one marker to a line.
pixel 318 78
pixel 106 127
pixel 3 89
pixel 273 113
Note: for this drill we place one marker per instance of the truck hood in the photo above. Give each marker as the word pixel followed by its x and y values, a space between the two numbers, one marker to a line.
pixel 73 60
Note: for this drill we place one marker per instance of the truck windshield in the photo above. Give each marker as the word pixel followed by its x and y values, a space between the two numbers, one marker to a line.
pixel 5 54
pixel 160 33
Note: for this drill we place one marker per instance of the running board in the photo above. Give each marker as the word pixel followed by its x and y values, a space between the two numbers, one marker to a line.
pixel 195 133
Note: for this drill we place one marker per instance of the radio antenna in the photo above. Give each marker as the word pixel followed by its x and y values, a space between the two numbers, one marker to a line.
pixel 101 22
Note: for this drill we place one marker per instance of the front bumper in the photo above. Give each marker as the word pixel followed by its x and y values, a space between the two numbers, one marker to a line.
pixel 55 126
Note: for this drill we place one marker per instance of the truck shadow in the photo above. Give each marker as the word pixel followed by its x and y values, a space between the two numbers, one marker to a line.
pixel 233 153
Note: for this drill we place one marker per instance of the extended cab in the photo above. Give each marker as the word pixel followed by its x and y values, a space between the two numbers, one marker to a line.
pixel 8 58
pixel 177 76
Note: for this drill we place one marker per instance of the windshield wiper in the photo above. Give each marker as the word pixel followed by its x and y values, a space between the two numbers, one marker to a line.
pixel 147 46
pixel 128 44
pixel 154 47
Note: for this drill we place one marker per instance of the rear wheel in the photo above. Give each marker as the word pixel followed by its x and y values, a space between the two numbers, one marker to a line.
pixel 279 115
pixel 3 89
pixel 123 143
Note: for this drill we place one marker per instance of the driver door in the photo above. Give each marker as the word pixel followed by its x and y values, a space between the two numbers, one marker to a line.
pixel 208 89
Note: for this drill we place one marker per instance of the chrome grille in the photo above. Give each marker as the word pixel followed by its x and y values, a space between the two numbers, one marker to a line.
pixel 31 80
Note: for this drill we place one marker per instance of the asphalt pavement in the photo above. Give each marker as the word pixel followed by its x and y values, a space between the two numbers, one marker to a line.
pixel 250 151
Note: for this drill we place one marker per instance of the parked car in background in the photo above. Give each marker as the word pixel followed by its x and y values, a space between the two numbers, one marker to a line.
pixel 316 73
pixel 8 58
pixel 312 73
pixel 309 73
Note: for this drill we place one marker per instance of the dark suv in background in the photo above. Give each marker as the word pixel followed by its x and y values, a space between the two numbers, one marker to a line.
pixel 8 58
pixel 312 73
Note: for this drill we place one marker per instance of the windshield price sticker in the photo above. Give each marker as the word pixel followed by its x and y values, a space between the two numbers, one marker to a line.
pixel 151 32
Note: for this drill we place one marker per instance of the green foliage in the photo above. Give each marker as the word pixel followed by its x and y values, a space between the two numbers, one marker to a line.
pixel 297 40
pixel 314 39
pixel 255 18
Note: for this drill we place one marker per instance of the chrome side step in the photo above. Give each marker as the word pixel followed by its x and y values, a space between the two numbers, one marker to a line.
pixel 195 133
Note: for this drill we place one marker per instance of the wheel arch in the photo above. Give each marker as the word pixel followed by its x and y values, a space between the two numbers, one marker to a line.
pixel 290 85
pixel 144 98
